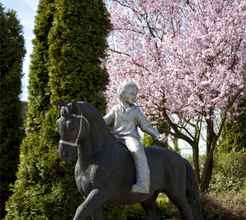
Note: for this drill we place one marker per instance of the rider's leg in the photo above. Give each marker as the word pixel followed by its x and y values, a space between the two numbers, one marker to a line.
pixel 142 168
pixel 143 174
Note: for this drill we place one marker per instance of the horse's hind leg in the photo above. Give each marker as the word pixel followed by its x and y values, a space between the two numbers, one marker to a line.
pixel 182 204
pixel 151 208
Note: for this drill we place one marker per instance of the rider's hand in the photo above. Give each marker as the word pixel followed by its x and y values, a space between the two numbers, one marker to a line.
pixel 162 138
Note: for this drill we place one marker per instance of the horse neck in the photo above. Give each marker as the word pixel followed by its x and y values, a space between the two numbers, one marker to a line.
pixel 85 154
pixel 96 134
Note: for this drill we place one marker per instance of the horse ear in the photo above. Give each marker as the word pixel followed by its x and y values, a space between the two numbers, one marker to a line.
pixel 73 105
pixel 64 111
pixel 61 104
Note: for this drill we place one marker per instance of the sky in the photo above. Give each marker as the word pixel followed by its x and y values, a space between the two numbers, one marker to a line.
pixel 26 10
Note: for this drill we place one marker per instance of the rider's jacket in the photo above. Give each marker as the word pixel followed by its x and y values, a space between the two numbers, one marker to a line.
pixel 126 121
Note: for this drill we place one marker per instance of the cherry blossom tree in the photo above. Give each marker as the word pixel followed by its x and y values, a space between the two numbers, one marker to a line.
pixel 189 60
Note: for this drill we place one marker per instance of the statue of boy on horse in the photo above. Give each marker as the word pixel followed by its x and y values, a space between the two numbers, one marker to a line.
pixel 106 172
pixel 125 118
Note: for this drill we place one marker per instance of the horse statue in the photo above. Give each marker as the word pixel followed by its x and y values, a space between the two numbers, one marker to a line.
pixel 105 170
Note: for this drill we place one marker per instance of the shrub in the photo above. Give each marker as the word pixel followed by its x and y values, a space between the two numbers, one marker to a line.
pixel 230 172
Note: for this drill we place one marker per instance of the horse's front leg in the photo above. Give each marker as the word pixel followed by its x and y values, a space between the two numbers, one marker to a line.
pixel 93 202
pixel 98 214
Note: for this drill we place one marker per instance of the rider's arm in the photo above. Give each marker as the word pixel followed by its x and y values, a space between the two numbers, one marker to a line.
pixel 146 126
pixel 109 117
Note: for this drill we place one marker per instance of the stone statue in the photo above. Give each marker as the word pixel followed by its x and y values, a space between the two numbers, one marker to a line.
pixel 105 170
pixel 125 118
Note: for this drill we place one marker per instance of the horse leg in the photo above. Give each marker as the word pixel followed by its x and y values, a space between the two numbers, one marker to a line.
pixel 151 208
pixel 93 202
pixel 183 206
pixel 98 214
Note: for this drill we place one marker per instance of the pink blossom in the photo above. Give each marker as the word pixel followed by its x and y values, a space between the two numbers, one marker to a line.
pixel 185 58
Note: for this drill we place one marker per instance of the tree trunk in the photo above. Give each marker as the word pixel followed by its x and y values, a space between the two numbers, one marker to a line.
pixel 211 144
pixel 195 151
pixel 207 172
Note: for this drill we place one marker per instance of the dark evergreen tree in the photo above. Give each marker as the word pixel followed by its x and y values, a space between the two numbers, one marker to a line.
pixel 11 58
pixel 19 203
pixel 76 32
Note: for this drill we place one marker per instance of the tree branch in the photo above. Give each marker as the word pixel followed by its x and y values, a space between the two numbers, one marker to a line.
pixel 132 59
pixel 177 133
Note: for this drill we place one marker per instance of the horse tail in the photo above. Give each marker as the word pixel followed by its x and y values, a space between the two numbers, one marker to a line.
pixel 193 194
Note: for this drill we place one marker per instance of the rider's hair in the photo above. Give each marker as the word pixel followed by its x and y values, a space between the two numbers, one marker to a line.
pixel 125 86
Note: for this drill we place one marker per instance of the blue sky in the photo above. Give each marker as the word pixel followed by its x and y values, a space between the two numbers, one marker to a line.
pixel 26 10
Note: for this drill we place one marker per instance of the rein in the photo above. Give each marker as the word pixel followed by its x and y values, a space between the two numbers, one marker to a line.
pixel 76 143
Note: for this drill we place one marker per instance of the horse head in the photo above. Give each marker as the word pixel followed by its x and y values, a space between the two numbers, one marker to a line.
pixel 72 130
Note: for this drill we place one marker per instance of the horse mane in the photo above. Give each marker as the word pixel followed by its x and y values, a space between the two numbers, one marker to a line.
pixel 99 133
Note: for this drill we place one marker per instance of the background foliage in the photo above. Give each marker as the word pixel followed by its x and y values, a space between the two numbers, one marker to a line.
pixel 11 56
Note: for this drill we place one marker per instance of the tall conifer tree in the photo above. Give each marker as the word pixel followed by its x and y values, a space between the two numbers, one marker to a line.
pixel 21 202
pixel 77 47
pixel 39 93
pixel 11 58
pixel 76 32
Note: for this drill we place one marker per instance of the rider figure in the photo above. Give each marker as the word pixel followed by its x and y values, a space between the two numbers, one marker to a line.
pixel 125 118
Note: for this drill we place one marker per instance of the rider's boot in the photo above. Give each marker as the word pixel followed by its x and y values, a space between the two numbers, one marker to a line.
pixel 142 172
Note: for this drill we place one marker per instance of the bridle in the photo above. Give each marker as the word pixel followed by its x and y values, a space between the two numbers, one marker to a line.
pixel 76 143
